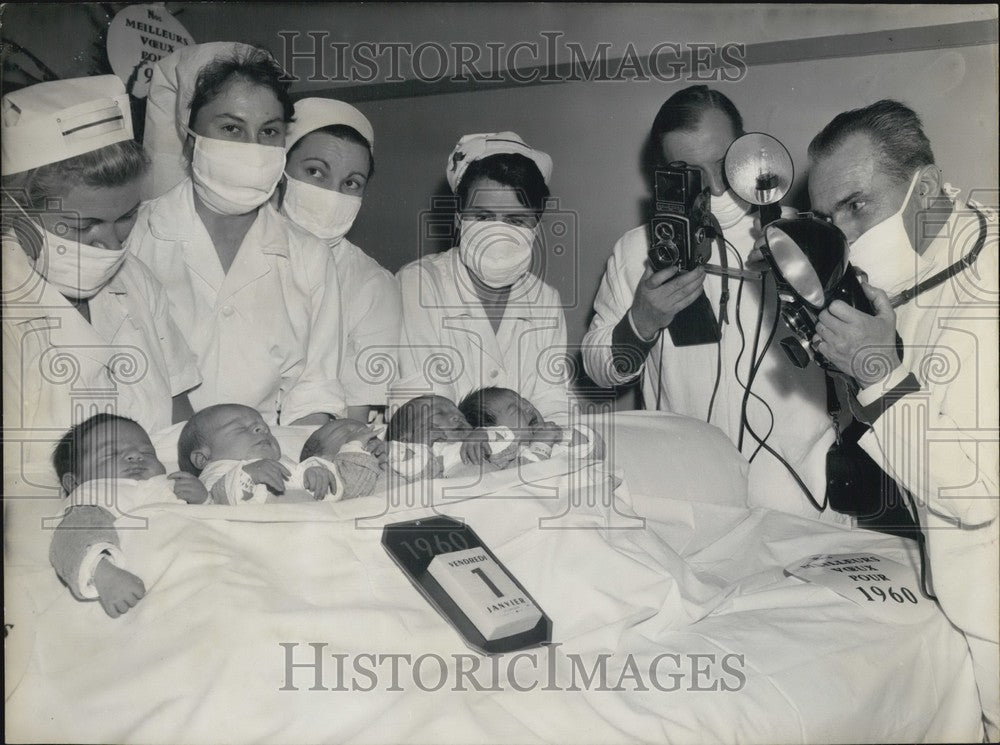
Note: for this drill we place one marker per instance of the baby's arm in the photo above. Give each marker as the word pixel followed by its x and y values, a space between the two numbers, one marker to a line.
pixel 319 477
pixel 239 482
pixel 189 487
pixel 86 554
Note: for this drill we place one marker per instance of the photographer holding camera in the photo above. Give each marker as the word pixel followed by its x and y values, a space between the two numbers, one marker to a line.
pixel 930 413
pixel 635 305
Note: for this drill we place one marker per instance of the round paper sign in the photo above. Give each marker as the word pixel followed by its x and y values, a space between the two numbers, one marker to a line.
pixel 140 36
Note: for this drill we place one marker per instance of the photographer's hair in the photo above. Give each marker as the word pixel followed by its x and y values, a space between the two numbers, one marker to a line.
pixel 343 132
pixel 894 129
pixel 68 453
pixel 682 112
pixel 254 66
pixel 191 439
pixel 474 407
pixel 510 169
pixel 109 166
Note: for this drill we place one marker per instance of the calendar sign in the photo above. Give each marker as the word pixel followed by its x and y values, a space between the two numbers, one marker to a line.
pixel 874 582
pixel 461 578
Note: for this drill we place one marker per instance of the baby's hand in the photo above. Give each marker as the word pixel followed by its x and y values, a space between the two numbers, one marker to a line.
pixel 476 447
pixel 270 473
pixel 319 481
pixel 118 590
pixel 189 487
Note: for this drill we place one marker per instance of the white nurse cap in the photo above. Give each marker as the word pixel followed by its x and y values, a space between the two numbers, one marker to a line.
pixel 315 113
pixel 477 147
pixel 49 122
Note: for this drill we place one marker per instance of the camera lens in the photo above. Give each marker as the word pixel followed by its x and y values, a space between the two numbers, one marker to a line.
pixel 663 231
pixel 663 255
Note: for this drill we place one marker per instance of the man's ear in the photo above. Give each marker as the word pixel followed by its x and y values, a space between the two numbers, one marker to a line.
pixel 69 483
pixel 200 457
pixel 929 184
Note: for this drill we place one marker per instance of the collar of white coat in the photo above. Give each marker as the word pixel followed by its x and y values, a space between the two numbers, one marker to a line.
pixel 173 217
pixel 518 303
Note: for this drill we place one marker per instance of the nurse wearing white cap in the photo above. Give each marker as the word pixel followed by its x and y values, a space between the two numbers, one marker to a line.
pixel 330 161
pixel 479 315
pixel 86 326
pixel 257 295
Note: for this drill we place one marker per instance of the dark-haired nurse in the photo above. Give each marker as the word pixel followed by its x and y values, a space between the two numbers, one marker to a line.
pixel 256 294
pixel 480 314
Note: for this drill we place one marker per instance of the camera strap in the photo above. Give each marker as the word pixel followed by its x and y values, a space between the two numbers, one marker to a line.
pixel 720 245
pixel 959 266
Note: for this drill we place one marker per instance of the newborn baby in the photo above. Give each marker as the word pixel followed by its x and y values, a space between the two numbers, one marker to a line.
pixel 428 436
pixel 356 451
pixel 106 460
pixel 514 419
pixel 231 449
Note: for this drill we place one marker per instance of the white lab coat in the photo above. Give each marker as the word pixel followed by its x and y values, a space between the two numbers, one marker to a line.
pixel 267 333
pixel 941 442
pixel 58 369
pixel 372 316
pixel 448 344
pixel 802 428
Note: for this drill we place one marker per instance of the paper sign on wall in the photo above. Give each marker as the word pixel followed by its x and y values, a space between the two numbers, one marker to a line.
pixel 878 584
pixel 138 38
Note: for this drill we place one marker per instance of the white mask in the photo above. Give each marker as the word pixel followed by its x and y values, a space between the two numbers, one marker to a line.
pixel 728 209
pixel 233 178
pixel 324 213
pixel 77 270
pixel 495 251
pixel 884 252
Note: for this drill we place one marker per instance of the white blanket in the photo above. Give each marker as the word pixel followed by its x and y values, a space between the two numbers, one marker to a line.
pixel 675 573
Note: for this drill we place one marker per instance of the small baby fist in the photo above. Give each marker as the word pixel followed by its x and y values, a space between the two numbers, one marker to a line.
pixel 188 487
pixel 319 481
pixel 118 590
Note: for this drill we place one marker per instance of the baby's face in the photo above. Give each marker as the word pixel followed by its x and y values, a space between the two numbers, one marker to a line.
pixel 335 434
pixel 118 450
pixel 236 432
pixel 514 411
pixel 445 422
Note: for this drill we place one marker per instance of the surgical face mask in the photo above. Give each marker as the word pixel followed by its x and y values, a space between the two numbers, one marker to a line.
pixel 77 270
pixel 495 251
pixel 728 209
pixel 233 178
pixel 884 252
pixel 324 213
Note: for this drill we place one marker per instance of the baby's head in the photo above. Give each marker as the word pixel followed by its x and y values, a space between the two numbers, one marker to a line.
pixel 106 446
pixel 327 441
pixel 427 419
pixel 225 432
pixel 500 407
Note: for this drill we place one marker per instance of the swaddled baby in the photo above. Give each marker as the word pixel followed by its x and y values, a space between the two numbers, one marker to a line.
pixel 429 437
pixel 231 449
pixel 108 462
pixel 509 418
pixel 356 451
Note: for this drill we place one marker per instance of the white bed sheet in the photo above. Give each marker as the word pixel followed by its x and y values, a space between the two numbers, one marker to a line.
pixel 200 658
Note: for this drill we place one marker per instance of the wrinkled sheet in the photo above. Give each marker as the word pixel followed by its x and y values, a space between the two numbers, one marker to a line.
pixel 671 571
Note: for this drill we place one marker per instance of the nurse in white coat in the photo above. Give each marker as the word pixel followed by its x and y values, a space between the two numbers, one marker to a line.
pixel 477 315
pixel 257 296
pixel 330 162
pixel 86 326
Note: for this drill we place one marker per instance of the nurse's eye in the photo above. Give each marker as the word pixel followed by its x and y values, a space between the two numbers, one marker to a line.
pixel 858 205
pixel 315 173
pixel 271 132
pixel 354 184
pixel 233 130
